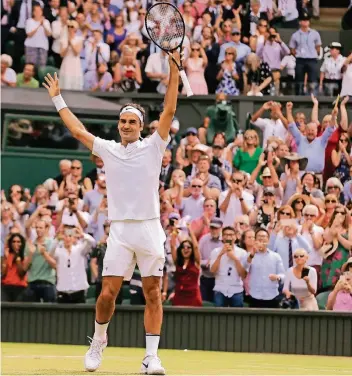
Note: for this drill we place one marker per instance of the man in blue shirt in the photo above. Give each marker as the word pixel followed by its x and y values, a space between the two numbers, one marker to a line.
pixel 265 272
pixel 311 146
pixel 305 45
pixel 242 49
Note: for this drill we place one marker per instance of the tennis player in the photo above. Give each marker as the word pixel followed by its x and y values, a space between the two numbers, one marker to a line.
pixel 132 170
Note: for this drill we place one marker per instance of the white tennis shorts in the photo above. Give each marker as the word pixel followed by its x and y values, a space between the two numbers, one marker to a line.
pixel 132 242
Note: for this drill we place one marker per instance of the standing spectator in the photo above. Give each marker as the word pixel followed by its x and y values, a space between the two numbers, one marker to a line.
pixel 65 169
pixel 26 79
pixel 288 14
pixel 201 226
pixel 13 275
pixel 71 77
pixel 195 66
pixel 347 189
pixel 92 175
pixel 301 281
pixel 228 75
pixel 96 51
pixel 157 70
pixel 347 76
pixel 265 272
pixel 235 201
pixel 330 71
pixel 41 267
pixel 92 198
pixel 187 260
pixel 247 157
pixel 285 245
pixel 206 245
pixel 272 52
pixel 52 10
pixel 70 214
pixel 341 158
pixel 117 33
pixel 60 36
pixel 288 81
pixel 38 30
pixel 340 299
pixel 192 206
pixel 99 218
pixel 7 219
pixel 258 80
pixel 175 193
pixel 99 80
pixel 263 214
pixel 305 44
pixel 227 265
pixel 212 50
pixel 253 20
pixel 166 170
pixel 273 127
pixel 311 146
pixel 8 75
pixel 71 256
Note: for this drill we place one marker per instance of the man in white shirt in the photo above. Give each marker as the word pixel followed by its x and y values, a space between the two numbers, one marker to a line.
pixel 235 200
pixel 227 265
pixel 273 127
pixel 136 233
pixel 59 32
pixel 192 206
pixel 157 69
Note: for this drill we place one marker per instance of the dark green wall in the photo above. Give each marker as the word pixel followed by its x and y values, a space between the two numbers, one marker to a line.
pixel 237 330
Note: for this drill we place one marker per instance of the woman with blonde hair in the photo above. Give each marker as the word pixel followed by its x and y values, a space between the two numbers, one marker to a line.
pixel 257 79
pixel 71 77
pixel 175 193
pixel 228 75
pixel 8 75
pixel 247 157
pixel 195 66
pixel 341 158
pixel 301 281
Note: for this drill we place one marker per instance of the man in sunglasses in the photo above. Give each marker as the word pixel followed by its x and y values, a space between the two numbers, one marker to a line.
pixel 235 200
pixel 192 206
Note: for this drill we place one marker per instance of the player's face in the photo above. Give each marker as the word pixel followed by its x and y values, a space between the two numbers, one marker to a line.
pixel 129 127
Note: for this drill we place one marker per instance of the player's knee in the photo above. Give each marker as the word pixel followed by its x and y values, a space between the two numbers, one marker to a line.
pixel 108 294
pixel 152 295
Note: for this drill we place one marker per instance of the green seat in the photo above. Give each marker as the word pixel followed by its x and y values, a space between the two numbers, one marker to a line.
pixel 90 300
pixel 10 48
pixel 208 304
pixel 42 72
pixel 91 292
pixel 126 302
pixel 322 299
pixel 126 292
pixel 51 61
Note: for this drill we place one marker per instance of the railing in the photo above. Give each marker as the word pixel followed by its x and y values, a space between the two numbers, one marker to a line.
pixel 224 329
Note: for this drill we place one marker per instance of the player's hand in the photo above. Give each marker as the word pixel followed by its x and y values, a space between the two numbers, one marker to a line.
pixel 176 58
pixel 52 85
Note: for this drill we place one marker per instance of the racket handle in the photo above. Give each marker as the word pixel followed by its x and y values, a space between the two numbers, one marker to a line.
pixel 186 84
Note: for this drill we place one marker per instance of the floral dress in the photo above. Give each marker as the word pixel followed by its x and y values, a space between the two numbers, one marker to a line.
pixel 342 171
pixel 227 84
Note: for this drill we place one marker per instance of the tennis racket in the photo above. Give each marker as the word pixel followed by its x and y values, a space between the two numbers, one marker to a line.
pixel 166 28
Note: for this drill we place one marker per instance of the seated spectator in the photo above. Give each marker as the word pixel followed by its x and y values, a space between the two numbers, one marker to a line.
pixel 266 271
pixel 175 193
pixel 187 156
pixel 157 70
pixel 70 262
pixel 226 263
pixel 26 79
pixel 265 211
pixel 257 78
pixel 99 218
pixel 195 66
pixel 247 157
pixel 99 80
pixel 13 276
pixel 272 52
pixel 206 245
pixel 220 166
pixel 298 203
pixel 347 189
pixel 92 175
pixel 334 186
pixel 235 201
pixel 301 282
pixel 347 76
pixel 166 171
pixel 117 33
pixel 228 75
pixel 40 266
pixel 192 206
pixel 74 180
pixel 93 198
pixel 133 43
pixel 187 260
pixel 60 35
pixel 127 72
pixel 7 219
pixel 201 226
pixel 288 63
pixel 65 169
pixel 8 75
pixel 341 158
pixel 340 299
pixel 38 30
pixel 71 77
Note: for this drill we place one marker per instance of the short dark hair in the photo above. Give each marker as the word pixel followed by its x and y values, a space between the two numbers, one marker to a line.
pixel 262 229
pixel 138 107
pixel 228 228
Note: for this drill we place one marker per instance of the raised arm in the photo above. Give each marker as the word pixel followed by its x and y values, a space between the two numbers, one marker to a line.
pixel 315 110
pixel 77 129
pixel 343 112
pixel 170 101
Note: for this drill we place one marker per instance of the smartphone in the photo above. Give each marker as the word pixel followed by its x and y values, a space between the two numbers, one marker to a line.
pixel 305 272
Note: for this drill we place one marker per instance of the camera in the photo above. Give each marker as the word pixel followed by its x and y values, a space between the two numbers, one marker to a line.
pixel 305 191
pixel 172 222
pixel 71 201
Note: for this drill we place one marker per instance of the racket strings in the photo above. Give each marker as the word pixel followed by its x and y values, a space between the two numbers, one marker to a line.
pixel 165 26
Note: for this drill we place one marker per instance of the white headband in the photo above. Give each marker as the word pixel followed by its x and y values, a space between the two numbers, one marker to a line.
pixel 134 111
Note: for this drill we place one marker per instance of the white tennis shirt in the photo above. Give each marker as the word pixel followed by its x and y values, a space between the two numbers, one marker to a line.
pixel 132 177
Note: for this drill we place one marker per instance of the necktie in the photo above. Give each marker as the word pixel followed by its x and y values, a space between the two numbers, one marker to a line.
pixel 290 260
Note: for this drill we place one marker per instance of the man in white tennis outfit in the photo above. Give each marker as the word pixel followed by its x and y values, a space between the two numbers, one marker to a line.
pixel 132 170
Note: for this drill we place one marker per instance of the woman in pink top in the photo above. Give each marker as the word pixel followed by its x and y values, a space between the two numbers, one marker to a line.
pixel 341 297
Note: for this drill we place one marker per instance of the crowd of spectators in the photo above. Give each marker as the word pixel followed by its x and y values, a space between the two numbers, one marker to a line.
pixel 230 46
pixel 249 220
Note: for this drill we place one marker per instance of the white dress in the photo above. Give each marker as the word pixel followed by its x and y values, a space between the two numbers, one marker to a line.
pixel 347 81
pixel 71 77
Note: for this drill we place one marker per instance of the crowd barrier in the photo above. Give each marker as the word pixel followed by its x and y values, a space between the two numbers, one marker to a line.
pixel 214 329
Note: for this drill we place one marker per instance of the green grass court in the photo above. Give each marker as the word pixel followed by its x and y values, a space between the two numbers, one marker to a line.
pixel 42 359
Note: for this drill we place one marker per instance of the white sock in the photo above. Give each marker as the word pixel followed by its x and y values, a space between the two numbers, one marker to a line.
pixel 100 331
pixel 152 344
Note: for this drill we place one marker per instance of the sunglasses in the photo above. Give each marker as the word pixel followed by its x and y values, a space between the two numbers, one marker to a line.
pixel 286 213
pixel 333 187
pixel 196 186
pixel 243 223
pixel 340 212
pixel 70 27
pixel 309 215
pixel 236 33
pixel 263 25
pixel 16 241
pixel 75 167
pixel 330 201
pixel 142 13
pixel 228 53
pixel 298 256
pixel 190 134
pixel 195 49
pixel 187 247
pixel 249 137
pixel 299 202
pixel 266 177
pixel 209 206
pixel 237 181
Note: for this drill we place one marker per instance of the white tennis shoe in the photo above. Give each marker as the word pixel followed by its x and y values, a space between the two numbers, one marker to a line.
pixel 151 365
pixel 93 357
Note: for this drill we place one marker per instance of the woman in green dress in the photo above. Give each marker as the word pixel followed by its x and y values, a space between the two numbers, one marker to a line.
pixel 246 158
pixel 337 247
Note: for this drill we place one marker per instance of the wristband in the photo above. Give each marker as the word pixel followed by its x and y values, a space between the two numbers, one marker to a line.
pixel 59 102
